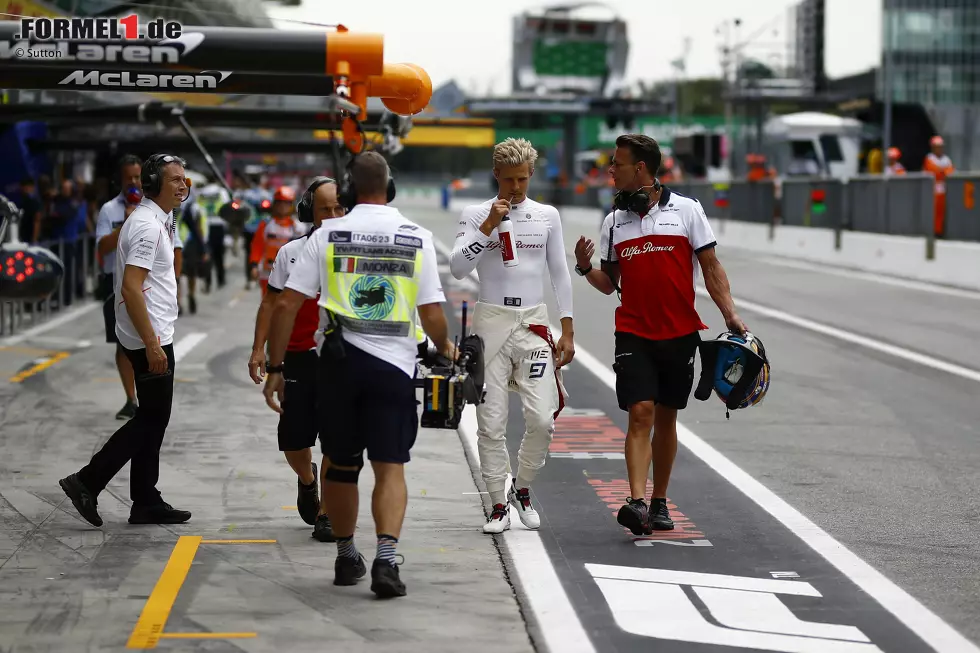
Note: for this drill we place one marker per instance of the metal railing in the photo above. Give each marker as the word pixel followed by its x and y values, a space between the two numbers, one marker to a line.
pixel 902 205
pixel 79 284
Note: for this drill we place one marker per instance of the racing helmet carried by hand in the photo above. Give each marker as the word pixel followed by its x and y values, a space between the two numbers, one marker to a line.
pixel 736 368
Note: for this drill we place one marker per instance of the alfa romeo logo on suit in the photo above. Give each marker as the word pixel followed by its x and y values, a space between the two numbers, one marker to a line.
pixel 372 298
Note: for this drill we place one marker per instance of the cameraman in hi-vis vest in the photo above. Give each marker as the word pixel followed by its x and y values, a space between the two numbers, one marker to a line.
pixel 374 270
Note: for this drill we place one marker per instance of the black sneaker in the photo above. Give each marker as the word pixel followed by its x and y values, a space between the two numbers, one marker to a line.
pixel 84 501
pixel 161 513
pixel 385 581
pixel 322 530
pixel 127 412
pixel 308 498
pixel 659 516
pixel 633 515
pixel 347 571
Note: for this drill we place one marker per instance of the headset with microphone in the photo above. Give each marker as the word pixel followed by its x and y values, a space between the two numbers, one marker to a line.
pixel 637 201
pixel 347 194
pixel 305 206
pixel 151 176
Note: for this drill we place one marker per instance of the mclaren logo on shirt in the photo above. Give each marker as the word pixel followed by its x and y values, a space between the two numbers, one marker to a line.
pixel 646 248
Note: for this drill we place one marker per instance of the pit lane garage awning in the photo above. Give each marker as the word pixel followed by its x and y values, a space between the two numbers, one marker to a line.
pixel 224 60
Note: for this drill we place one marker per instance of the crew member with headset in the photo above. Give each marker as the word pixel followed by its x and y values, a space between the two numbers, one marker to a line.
pixel 654 235
pixel 374 270
pixel 298 425
pixel 145 285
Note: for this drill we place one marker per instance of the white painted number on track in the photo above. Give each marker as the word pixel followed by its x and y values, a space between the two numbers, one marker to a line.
pixel 653 603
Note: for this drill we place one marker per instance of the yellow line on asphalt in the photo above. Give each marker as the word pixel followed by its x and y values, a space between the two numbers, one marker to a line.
pixel 40 367
pixel 208 635
pixel 149 628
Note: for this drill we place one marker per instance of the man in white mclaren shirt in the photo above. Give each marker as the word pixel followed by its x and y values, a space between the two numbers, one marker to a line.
pixel 146 311
pixel 512 318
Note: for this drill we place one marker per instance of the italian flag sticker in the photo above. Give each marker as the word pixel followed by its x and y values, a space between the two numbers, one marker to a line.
pixel 344 264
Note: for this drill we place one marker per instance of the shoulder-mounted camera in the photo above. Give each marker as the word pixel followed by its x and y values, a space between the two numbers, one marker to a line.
pixel 447 386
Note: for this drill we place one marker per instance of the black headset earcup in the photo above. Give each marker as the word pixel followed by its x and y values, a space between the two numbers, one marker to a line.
pixel 639 202
pixel 391 189
pixel 619 201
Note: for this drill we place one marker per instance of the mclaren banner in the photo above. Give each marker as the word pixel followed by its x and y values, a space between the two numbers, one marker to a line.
pixel 152 81
pixel 237 49
pixel 59 53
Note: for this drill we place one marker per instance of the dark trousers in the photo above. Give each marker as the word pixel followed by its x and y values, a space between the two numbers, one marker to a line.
pixel 216 243
pixel 140 438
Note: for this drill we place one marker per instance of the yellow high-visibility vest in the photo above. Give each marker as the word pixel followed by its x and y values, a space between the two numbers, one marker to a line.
pixel 372 287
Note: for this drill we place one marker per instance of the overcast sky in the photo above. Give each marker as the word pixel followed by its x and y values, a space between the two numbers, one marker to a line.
pixel 473 45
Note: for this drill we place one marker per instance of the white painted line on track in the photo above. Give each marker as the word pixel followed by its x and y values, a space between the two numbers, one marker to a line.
pixel 856 339
pixel 916 617
pixel 559 624
pixel 53 323
pixel 183 346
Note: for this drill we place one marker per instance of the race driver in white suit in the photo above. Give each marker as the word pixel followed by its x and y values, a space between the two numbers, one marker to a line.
pixel 512 318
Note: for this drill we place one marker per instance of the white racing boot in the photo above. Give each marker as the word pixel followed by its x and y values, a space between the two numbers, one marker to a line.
pixel 499 520
pixel 521 499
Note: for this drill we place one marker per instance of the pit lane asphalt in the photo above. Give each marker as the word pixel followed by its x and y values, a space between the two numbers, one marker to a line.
pixel 880 452
pixel 67 586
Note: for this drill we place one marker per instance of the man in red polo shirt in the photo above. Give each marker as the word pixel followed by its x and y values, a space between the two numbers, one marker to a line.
pixel 652 243
pixel 298 425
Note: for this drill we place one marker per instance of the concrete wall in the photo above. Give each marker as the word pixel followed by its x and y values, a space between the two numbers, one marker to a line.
pixel 955 263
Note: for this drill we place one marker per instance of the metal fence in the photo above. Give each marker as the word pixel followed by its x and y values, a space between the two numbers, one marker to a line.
pixel 78 285
pixel 899 205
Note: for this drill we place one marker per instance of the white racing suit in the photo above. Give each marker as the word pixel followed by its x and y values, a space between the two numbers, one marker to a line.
pixel 519 355
pixel 512 318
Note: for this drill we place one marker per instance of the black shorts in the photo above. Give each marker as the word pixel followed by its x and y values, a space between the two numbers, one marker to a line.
pixel 657 370
pixel 366 403
pixel 109 317
pixel 298 425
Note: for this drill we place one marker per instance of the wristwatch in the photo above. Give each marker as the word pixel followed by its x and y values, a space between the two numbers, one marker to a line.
pixel 273 369
pixel 582 272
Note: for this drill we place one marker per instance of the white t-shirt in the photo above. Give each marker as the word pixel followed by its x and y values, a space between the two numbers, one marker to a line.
pixel 147 241
pixel 307 319
pixel 540 251
pixel 371 223
pixel 111 216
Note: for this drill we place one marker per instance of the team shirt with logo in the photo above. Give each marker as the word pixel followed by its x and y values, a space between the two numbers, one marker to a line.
pixel 657 256
pixel 305 328
pixel 540 248
pixel 374 225
pixel 146 240
pixel 112 215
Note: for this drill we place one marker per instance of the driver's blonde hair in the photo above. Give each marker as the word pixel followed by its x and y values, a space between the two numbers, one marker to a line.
pixel 514 152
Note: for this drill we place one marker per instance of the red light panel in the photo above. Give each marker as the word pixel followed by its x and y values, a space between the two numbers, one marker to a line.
pixel 19 255
pixel 28 261
pixel 29 271
pixel 10 272
pixel 20 277
pixel 10 261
